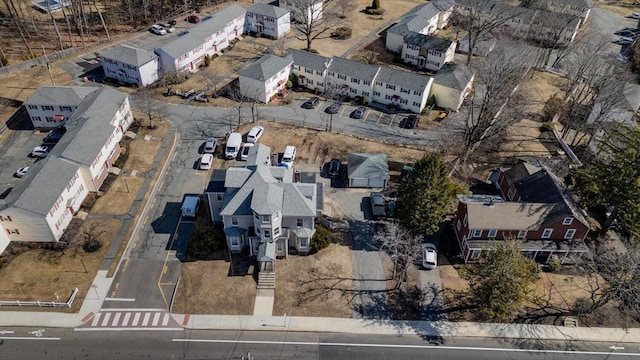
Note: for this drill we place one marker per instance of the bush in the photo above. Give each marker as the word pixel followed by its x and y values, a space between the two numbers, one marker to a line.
pixel 553 106
pixel 92 245
pixel 342 33
pixel 555 265
pixel 202 243
pixel 375 4
pixel 207 60
pixel 289 84
pixel 547 126
pixel 294 80
pixel 322 238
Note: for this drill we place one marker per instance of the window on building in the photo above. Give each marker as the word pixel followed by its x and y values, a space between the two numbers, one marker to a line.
pixel 416 103
pixel 355 80
pixel 493 233
pixel 299 222
pixel 567 221
pixel 267 234
pixel 365 93
pixel 522 234
pixel 379 83
pixel 476 233
pixel 417 93
pixel 342 77
pixel 304 242
pixel 234 220
pixel 308 71
pixel 475 254
pixel 366 82
pixel 392 87
pixel 376 93
pixel 331 73
pixel 33 107
pixel 265 218
pixel 510 194
pixel 47 107
pixel 219 197
pixel 569 234
pixel 547 233
pixel 280 246
pixel 13 231
pixel 318 72
pixel 276 231
pixel 235 241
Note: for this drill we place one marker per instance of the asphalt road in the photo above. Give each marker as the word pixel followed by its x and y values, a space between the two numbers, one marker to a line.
pixel 65 344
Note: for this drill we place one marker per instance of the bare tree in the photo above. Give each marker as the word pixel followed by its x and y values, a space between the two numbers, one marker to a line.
pixel 104 26
pixel 401 247
pixel 147 99
pixel 280 47
pixel 55 25
pixel 549 32
pixel 344 7
pixel 498 76
pixel 313 25
pixel 480 17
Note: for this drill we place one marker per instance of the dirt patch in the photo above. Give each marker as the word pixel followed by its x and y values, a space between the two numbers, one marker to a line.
pixel 630 6
pixel 120 197
pixel 37 275
pixel 207 288
pixel 160 127
pixel 141 155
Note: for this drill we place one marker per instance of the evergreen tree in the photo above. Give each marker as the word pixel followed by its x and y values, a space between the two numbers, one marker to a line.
pixel 375 4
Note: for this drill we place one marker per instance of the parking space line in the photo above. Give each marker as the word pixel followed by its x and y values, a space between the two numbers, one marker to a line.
pixel 393 118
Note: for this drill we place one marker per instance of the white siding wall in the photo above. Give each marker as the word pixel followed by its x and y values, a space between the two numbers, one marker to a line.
pixel 20 225
pixel 142 76
pixel 447 97
pixel 149 72
pixel 42 115
pixel 312 78
pixel 348 86
pixel 411 100
pixel 253 88
pixel 284 26
pixel 68 203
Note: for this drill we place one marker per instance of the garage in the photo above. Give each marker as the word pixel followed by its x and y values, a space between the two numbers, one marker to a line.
pixel 368 170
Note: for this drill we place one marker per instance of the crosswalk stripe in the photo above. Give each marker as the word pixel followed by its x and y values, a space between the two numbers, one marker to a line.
pixel 125 321
pixel 145 320
pixel 116 319
pixel 156 318
pixel 136 318
pixel 165 319
pixel 96 319
pixel 105 320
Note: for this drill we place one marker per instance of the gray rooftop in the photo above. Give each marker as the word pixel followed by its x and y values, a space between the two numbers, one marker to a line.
pixel 427 41
pixel 353 68
pixel 404 79
pixel 196 35
pixel 581 4
pixel 416 19
pixel 129 55
pixel 89 127
pixel 259 154
pixel 266 67
pixel 60 95
pixel 454 76
pixel 267 10
pixel 309 60
pixel 368 165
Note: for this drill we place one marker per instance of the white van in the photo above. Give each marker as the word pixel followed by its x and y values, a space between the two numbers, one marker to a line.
pixel 234 142
pixel 190 205
pixel 289 155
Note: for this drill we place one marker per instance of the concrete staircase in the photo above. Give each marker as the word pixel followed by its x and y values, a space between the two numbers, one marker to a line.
pixel 266 280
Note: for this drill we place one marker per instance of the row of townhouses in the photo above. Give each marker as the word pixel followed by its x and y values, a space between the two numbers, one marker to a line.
pixel 342 78
pixel 42 204
pixel 210 37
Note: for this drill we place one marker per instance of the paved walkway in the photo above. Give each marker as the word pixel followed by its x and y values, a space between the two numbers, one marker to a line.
pixel 263 304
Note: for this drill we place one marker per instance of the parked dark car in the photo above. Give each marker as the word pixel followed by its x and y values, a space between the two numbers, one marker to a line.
pixel 55 135
pixel 410 122
pixel 334 168
pixel 172 22
pixel 378 207
pixel 358 113
pixel 311 103
pixel 194 19
pixel 334 108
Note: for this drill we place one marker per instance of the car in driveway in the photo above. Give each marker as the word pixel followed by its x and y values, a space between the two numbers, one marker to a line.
pixel 21 172
pixel 40 152
pixel 255 134
pixel 194 19
pixel 429 256
pixel 623 40
pixel 378 207
pixel 311 103
pixel 158 30
pixel 55 135
pixel 358 113
pixel 410 122
pixel 168 27
pixel 334 108
pixel 205 161
pixel 334 168
pixel 210 145
pixel 246 149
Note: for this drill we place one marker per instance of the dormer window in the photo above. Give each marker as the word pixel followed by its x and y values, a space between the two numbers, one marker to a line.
pixel 567 221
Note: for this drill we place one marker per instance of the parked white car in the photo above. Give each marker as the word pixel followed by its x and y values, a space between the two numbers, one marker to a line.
pixel 429 256
pixel 246 149
pixel 21 172
pixel 158 30
pixel 634 16
pixel 40 152
pixel 205 161
pixel 255 134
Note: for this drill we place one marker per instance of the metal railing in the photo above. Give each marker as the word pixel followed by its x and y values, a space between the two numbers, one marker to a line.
pixel 21 303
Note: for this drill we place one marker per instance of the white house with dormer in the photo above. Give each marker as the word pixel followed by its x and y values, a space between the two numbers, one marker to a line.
pixel 130 65
pixel 303 11
pixel 427 52
pixel 310 69
pixel 267 20
pixel 42 204
pixel 424 19
pixel 213 34
pixel 265 78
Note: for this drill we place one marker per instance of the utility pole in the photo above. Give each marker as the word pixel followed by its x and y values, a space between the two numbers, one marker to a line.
pixel 48 66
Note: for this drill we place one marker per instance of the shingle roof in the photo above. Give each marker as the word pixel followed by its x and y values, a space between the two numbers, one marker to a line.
pixel 295 203
pixel 267 198
pixel 520 171
pixel 195 36
pixel 89 126
pixel 353 68
pixel 427 41
pixel 415 19
pixel 309 60
pixel 454 76
pixel 60 95
pixel 129 55
pixel 508 215
pixel 267 10
pixel 266 67
pixel 404 79
pixel 367 166
pixel 259 154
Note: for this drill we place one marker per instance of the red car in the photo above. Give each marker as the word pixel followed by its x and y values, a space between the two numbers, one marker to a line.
pixel 194 19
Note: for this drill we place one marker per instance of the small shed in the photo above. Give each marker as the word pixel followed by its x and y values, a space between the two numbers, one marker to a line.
pixel 368 170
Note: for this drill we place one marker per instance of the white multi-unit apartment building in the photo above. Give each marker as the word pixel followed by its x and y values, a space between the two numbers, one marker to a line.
pixel 267 20
pixel 310 69
pixel 303 11
pixel 427 52
pixel 348 78
pixel 402 89
pixel 50 106
pixel 423 19
pixel 265 78
pixel 130 65
pixel 213 34
pixel 42 204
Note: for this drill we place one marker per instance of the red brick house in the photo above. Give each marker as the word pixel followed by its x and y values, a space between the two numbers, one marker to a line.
pixel 535 208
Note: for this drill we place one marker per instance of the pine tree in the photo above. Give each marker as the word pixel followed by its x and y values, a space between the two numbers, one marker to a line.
pixel 375 4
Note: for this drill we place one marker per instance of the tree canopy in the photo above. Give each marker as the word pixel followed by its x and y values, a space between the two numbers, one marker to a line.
pixel 423 199
pixel 500 281
pixel 614 179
